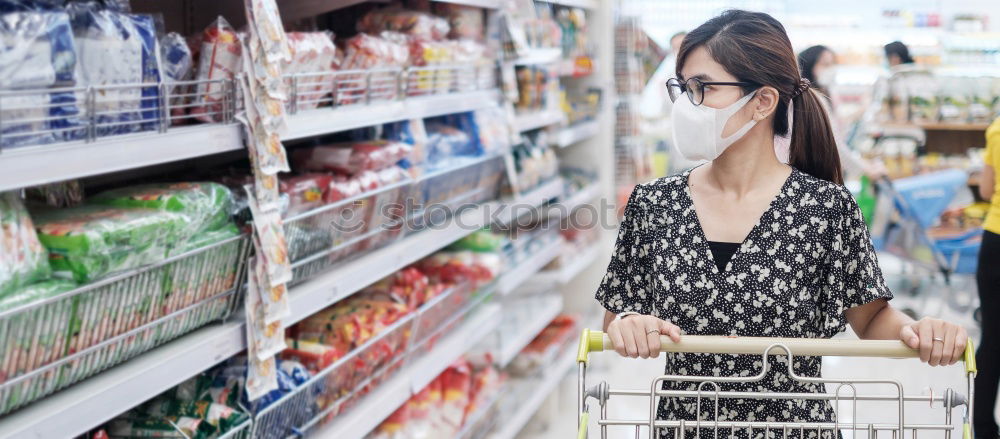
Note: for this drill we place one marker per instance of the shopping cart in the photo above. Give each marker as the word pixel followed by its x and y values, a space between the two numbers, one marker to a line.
pixel 708 393
pixel 905 211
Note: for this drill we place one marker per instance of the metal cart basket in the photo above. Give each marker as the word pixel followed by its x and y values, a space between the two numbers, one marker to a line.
pixel 708 394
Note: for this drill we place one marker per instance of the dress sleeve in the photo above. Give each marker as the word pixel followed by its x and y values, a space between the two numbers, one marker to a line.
pixel 852 274
pixel 625 285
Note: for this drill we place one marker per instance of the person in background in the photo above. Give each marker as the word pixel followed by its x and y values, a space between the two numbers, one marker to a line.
pixel 897 54
pixel 988 283
pixel 654 102
pixel 816 64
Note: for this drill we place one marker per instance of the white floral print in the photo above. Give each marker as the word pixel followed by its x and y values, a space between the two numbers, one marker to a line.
pixel 807 260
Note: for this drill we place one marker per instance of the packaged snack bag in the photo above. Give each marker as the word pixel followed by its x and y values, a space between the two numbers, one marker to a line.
pixel 178 65
pixel 39 53
pixel 312 53
pixel 456 389
pixel 305 192
pixel 206 206
pixel 23 259
pixel 92 241
pixel 102 34
pixel 314 356
pixel 23 355
pixel 413 23
pixel 219 59
pixel 352 157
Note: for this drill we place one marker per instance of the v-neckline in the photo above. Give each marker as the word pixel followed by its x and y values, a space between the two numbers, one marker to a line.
pixel 705 249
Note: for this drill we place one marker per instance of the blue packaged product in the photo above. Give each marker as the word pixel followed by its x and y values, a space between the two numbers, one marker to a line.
pixel 37 52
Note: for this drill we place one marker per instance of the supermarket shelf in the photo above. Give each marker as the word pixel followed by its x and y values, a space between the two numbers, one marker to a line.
pixel 328 288
pixel 539 56
pixel 512 279
pixel 567 273
pixel 527 202
pixel 325 121
pixel 384 400
pixel 582 197
pixel 539 119
pixel 579 132
pixel 586 4
pixel 35 165
pixel 548 383
pixel 295 9
pixel 938 126
pixel 543 315
pixel 86 405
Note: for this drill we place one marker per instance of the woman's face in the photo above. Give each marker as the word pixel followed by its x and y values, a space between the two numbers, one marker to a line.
pixel 825 61
pixel 699 64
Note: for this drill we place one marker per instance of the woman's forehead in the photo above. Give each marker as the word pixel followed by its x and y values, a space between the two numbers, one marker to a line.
pixel 699 64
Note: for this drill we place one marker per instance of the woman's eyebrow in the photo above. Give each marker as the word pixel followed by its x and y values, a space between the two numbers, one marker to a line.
pixel 702 77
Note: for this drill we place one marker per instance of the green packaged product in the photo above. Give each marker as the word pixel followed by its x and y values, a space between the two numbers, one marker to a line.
pixel 207 206
pixel 219 416
pixel 35 292
pixel 23 259
pixel 89 242
pixel 482 241
pixel 48 326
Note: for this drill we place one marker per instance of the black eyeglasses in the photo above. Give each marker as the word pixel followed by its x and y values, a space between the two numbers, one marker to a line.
pixel 695 88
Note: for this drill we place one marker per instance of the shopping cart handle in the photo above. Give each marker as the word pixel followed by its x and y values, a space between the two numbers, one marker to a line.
pixel 597 341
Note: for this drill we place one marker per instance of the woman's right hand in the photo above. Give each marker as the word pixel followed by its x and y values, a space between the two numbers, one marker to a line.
pixel 638 336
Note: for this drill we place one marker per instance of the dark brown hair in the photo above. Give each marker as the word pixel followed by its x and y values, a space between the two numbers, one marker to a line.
pixel 753 47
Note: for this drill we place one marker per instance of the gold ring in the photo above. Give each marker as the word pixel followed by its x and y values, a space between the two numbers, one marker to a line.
pixel 652 331
pixel 938 339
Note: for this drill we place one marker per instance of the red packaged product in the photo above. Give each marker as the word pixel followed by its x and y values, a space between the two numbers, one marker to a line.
pixel 313 53
pixel 219 58
pixel 456 389
pixel 305 192
pixel 351 158
pixel 414 23
pixel 341 188
pixel 314 356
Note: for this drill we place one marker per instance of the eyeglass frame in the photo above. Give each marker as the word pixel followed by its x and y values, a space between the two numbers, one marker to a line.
pixel 684 87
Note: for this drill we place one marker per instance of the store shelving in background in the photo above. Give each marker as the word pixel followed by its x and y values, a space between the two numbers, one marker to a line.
pixel 388 95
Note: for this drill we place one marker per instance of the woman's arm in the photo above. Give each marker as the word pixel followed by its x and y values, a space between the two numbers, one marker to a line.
pixel 940 343
pixel 987 180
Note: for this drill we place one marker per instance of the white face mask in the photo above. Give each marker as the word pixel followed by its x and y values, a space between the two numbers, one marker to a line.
pixel 698 129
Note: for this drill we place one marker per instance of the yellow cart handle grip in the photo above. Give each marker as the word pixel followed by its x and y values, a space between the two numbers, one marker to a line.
pixel 597 341
pixel 584 420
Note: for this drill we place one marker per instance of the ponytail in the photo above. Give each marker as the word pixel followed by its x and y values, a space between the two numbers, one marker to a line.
pixel 813 148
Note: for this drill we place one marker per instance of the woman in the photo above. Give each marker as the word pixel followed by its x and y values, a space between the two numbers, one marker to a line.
pixel 815 63
pixel 897 54
pixel 988 283
pixel 746 245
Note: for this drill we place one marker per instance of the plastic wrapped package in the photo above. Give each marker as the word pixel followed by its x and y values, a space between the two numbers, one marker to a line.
pixel 89 242
pixel 22 355
pixel 38 52
pixel 100 35
pixel 368 52
pixel 205 206
pixel 465 21
pixel 351 158
pixel 219 58
pixel 305 192
pixel 312 52
pixel 413 23
pixel 178 64
pixel 23 259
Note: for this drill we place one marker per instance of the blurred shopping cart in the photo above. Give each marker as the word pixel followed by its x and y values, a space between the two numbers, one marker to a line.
pixel 906 211
pixel 857 394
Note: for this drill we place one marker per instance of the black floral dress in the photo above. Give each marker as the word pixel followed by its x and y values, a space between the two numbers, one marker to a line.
pixel 807 260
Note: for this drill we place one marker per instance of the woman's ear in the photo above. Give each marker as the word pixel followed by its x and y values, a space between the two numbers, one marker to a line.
pixel 766 101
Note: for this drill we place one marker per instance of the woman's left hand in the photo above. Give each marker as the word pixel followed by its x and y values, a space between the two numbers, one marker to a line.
pixel 940 343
